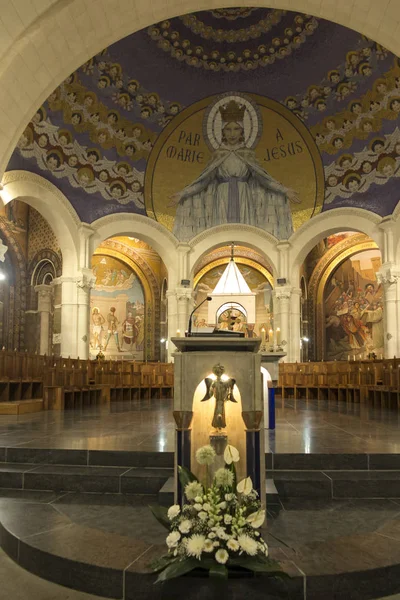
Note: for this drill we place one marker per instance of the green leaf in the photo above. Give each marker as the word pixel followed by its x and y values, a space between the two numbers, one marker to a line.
pixel 217 570
pixel 160 513
pixel 177 569
pixel 259 565
pixel 161 563
pixel 185 476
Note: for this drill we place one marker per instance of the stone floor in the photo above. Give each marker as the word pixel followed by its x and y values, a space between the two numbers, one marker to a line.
pixel 301 427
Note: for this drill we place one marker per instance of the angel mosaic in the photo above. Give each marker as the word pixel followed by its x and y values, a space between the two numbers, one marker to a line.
pixel 222 390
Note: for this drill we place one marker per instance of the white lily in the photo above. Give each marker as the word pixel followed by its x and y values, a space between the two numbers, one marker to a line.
pixel 256 519
pixel 231 454
pixel 245 486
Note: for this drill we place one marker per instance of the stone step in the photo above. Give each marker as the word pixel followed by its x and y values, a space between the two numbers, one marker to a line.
pixel 166 493
pixel 330 462
pixel 21 407
pixel 101 458
pixel 337 484
pixel 117 480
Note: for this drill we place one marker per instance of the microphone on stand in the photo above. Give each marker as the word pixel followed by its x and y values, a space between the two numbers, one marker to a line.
pixel 189 331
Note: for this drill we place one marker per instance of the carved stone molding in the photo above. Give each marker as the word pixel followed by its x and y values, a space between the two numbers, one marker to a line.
pixel 231 228
pixel 27 177
pixel 134 218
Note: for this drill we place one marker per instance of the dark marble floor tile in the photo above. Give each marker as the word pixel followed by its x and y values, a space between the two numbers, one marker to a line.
pixel 302 483
pixel 47 456
pixel 2 454
pixel 365 484
pixel 106 582
pixel 78 479
pixel 320 462
pixel 136 522
pixel 384 461
pixel 131 459
pixel 25 520
pixel 30 496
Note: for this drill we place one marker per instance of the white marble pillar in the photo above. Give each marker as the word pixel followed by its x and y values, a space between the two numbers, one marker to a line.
pixel 282 299
pixel 172 308
pixel 295 332
pixel 388 276
pixel 184 298
pixel 45 297
pixel 69 312
pixel 84 285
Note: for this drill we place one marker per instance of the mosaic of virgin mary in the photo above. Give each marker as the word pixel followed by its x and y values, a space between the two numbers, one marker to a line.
pixel 234 187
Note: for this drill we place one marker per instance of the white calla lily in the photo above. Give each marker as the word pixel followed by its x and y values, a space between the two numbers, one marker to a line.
pixel 231 454
pixel 245 486
pixel 256 519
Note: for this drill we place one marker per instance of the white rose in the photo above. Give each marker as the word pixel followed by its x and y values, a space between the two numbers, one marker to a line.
pixel 227 519
pixel 228 497
pixel 222 505
pixel 206 506
pixel 185 526
pixel 208 546
pixel 173 539
pixel 173 511
pixel 202 515
pixel 198 507
pixel 198 499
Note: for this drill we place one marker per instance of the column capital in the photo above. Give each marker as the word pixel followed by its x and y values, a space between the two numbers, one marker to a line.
pixel 86 230
pixel 45 295
pixel 388 274
pixel 44 290
pixel 85 280
pixel 282 293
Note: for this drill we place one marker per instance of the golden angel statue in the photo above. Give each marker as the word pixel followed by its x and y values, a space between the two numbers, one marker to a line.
pixel 222 391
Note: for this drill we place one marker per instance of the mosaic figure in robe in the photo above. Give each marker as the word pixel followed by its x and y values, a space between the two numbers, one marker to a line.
pixel 234 188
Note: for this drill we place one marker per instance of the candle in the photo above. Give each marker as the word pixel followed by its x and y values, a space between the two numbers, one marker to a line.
pixel 270 335
pixel 348 357
pixel 263 336
pixel 178 333
pixel 278 336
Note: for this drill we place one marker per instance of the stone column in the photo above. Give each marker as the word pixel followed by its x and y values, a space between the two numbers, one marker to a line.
pixel 282 299
pixel 172 308
pixel 45 297
pixel 388 276
pixel 84 285
pixel 69 311
pixel 295 333
pixel 184 298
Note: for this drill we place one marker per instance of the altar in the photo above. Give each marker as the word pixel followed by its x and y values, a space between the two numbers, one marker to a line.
pixel 195 361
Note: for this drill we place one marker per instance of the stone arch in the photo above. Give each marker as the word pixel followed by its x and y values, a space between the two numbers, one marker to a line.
pixel 30 48
pixel 327 223
pixel 44 197
pixel 246 235
pixel 151 232
pixel 331 260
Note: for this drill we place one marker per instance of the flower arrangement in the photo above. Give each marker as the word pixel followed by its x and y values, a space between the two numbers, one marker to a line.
pixel 217 529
